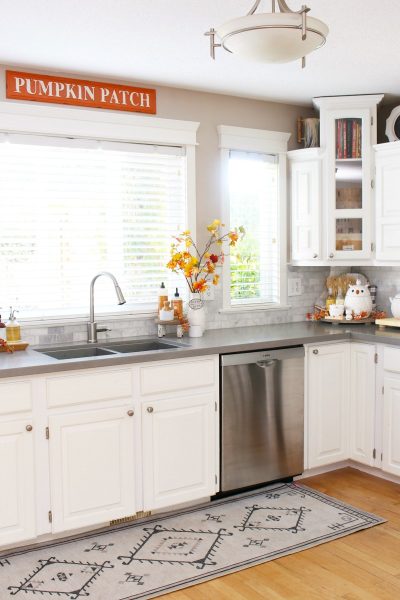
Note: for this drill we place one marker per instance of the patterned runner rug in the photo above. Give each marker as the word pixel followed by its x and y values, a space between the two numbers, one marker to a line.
pixel 166 553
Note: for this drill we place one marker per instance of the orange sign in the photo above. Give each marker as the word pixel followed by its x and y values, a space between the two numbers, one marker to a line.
pixel 79 92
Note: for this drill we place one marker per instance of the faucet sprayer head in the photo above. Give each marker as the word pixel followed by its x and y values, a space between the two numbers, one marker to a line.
pixel 120 296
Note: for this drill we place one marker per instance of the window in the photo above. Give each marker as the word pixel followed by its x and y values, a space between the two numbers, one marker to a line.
pixel 254 191
pixel 75 207
pixel 253 203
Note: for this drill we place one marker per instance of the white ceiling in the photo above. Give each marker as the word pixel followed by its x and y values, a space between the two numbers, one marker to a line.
pixel 162 42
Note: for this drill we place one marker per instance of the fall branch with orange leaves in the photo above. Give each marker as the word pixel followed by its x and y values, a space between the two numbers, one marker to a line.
pixel 199 268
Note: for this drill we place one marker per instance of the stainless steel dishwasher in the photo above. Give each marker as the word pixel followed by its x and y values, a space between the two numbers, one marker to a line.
pixel 262 417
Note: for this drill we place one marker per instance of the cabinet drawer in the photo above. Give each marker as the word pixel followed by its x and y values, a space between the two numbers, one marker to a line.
pixel 173 377
pixel 391 359
pixel 15 396
pixel 89 387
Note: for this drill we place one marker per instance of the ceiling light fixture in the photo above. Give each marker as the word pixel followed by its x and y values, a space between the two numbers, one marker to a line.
pixel 275 37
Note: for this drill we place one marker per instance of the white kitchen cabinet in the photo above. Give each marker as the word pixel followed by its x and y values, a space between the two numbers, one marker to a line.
pixel 305 170
pixel 17 489
pixel 92 467
pixel 391 424
pixel 328 379
pixel 348 131
pixel 345 185
pixel 362 403
pixel 179 453
pixel 387 216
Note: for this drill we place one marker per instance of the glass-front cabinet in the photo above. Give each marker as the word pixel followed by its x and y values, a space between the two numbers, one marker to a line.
pixel 348 131
pixel 349 181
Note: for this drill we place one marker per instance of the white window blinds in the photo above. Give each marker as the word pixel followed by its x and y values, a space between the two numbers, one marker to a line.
pixel 72 208
pixel 253 202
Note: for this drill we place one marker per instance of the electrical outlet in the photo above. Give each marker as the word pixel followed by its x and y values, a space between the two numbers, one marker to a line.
pixel 294 287
pixel 209 294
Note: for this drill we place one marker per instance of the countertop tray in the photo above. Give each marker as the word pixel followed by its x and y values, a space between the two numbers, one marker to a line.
pixel 367 321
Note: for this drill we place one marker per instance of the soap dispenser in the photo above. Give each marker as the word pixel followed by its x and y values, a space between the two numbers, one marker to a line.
pixel 178 305
pixel 13 329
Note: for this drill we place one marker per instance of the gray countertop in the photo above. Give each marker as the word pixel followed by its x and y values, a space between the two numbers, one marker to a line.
pixel 216 341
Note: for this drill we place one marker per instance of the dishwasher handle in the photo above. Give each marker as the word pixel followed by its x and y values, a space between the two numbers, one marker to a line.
pixel 264 364
pixel 248 358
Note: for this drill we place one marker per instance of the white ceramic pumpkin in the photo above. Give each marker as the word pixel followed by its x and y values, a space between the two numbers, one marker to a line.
pixel 358 299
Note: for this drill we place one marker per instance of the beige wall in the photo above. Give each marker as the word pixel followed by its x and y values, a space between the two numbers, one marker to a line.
pixel 211 110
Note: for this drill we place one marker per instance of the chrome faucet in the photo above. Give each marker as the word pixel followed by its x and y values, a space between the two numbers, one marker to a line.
pixel 92 325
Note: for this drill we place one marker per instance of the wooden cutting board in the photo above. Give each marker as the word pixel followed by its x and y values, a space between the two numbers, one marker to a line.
pixel 390 322
pixel 15 346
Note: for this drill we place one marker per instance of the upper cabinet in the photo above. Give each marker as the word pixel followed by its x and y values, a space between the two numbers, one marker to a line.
pixel 343 212
pixel 306 167
pixel 387 216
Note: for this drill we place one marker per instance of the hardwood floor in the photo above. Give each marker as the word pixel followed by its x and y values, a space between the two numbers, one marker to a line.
pixel 361 566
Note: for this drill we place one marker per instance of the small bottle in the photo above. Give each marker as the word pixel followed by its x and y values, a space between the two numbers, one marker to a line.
pixel 330 299
pixel 339 297
pixel 178 305
pixel 13 329
pixel 2 330
pixel 162 296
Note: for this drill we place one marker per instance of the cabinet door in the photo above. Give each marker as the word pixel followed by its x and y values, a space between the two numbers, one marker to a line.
pixel 391 426
pixel 91 467
pixel 362 403
pixel 328 404
pixel 305 213
pixel 387 206
pixel 178 450
pixel 17 495
pixel 348 180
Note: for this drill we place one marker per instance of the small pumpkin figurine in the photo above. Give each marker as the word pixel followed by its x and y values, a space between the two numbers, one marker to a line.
pixel 358 299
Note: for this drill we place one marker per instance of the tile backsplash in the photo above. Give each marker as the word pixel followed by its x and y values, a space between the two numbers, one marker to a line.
pixel 388 281
pixel 312 282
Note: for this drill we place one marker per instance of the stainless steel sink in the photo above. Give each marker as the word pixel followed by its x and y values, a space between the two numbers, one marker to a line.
pixel 71 353
pixel 140 346
pixel 106 349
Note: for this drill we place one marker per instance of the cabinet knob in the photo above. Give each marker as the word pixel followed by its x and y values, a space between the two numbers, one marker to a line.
pixel 315 256
pixel 150 409
pixel 315 351
pixel 29 427
pixel 130 413
pixel 331 255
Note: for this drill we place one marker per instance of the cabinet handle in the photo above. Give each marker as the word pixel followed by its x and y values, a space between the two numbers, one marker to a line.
pixel 331 255
pixel 315 256
pixel 29 427
pixel 130 413
pixel 150 409
pixel 315 351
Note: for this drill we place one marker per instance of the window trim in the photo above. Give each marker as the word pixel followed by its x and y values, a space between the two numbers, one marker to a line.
pixel 105 125
pixel 268 142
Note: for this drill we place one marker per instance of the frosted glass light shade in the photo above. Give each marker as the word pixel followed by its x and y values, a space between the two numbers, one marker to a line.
pixel 272 37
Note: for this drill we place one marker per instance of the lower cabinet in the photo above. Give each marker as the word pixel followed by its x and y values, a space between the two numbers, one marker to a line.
pixel 391 424
pixel 92 467
pixel 179 454
pixel 328 401
pixel 83 448
pixel 17 488
pixel 362 403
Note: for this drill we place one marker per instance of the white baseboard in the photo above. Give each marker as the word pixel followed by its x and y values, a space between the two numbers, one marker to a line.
pixel 324 469
pixel 349 463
